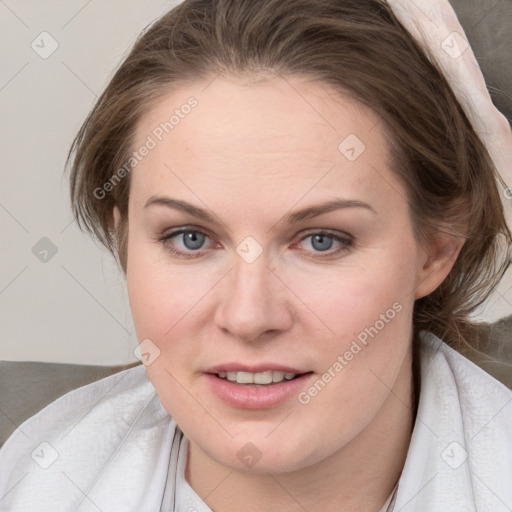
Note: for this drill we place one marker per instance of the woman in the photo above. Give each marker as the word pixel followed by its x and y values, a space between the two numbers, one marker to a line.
pixel 303 211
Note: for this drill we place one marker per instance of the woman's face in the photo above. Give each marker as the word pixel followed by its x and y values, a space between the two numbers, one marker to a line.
pixel 268 236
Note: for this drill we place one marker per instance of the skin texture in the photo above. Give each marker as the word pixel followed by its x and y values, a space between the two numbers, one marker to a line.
pixel 252 151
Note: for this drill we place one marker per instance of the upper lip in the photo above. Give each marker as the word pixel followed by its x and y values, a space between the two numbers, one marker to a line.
pixel 255 368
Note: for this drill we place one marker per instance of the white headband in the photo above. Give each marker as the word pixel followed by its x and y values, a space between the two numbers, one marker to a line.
pixel 434 24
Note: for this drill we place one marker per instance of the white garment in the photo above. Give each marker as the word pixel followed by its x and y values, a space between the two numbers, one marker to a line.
pixel 108 447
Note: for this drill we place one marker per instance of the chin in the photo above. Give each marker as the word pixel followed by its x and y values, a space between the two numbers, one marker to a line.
pixel 260 455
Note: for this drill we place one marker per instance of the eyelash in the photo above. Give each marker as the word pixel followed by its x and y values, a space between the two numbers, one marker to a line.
pixel 346 242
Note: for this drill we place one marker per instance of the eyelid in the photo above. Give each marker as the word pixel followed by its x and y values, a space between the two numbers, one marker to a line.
pixel 337 235
pixel 325 231
pixel 177 228
pixel 168 233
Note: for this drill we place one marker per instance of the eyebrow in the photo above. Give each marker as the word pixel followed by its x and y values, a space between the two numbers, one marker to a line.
pixel 292 218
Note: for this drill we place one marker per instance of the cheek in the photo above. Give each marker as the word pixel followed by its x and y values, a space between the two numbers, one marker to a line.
pixel 161 295
pixel 350 299
pixel 167 309
pixel 368 311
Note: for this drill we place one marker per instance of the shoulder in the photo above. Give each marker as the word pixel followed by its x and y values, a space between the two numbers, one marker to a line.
pixel 460 393
pixel 93 400
pixel 78 437
pixel 469 378
pixel 461 436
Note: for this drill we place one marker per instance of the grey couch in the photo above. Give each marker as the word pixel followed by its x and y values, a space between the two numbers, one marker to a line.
pixel 26 387
pixel 487 24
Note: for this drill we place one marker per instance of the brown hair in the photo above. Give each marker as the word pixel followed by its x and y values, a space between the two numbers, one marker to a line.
pixel 356 46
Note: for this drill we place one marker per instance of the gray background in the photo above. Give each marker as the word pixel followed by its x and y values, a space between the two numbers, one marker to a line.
pixel 73 306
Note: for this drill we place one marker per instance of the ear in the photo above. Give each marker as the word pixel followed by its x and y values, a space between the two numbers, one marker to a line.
pixel 437 260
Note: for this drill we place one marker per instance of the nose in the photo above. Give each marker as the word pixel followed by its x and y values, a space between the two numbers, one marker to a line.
pixel 253 304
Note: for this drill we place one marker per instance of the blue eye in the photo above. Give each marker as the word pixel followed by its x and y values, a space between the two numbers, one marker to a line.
pixel 327 243
pixel 193 240
pixel 185 242
pixel 321 242
pixel 193 243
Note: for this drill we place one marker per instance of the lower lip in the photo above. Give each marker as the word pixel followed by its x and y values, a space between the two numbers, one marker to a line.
pixel 246 396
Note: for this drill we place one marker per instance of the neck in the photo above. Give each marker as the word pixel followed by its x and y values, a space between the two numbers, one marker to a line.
pixel 359 477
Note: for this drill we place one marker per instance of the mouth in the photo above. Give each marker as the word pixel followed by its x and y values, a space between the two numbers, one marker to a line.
pixel 256 387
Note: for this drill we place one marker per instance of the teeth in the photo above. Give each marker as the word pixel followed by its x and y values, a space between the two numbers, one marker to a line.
pixel 244 378
pixel 263 378
pixel 267 377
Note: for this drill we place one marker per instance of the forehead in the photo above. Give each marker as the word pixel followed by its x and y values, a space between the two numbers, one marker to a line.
pixel 281 133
